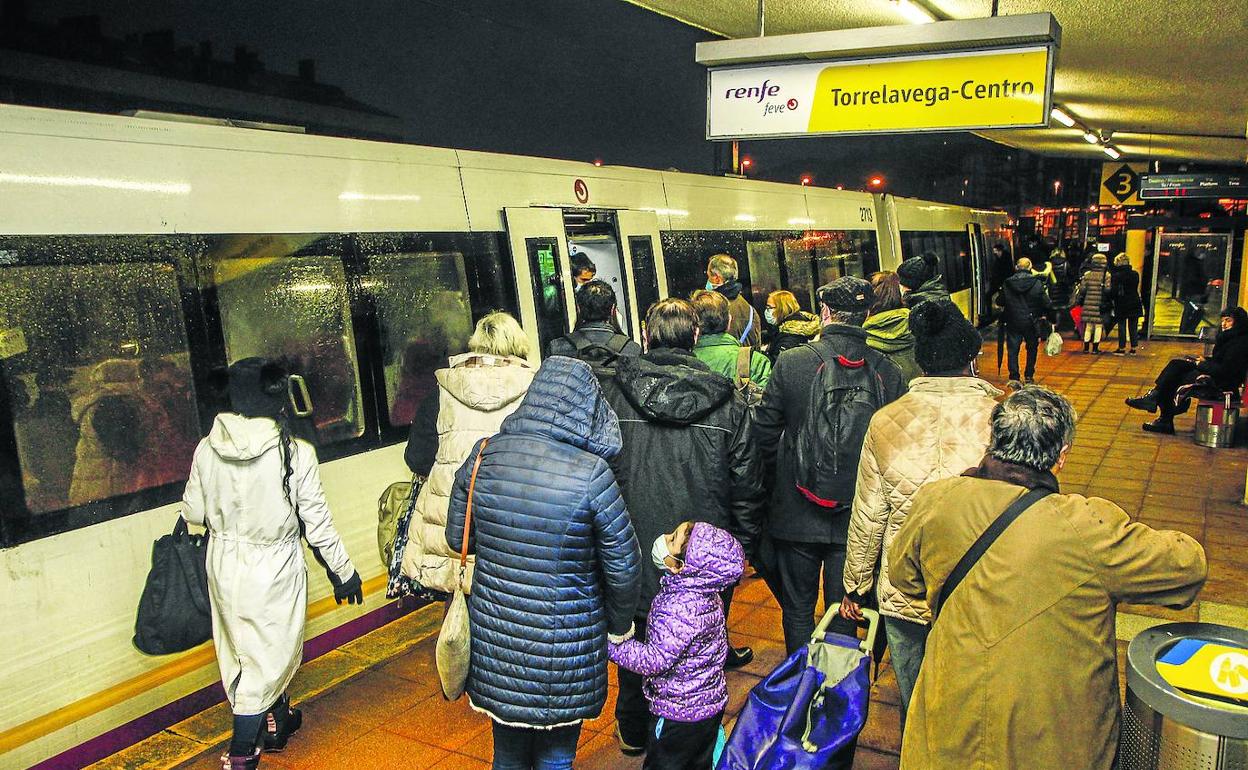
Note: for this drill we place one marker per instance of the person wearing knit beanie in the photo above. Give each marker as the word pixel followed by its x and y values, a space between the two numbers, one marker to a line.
pixel 912 273
pixel 921 280
pixel 945 342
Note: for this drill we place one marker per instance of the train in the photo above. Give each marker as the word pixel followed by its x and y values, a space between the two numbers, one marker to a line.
pixel 140 256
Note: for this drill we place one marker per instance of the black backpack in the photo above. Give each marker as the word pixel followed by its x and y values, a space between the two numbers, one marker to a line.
pixel 751 392
pixel 600 356
pixel 174 611
pixel 843 397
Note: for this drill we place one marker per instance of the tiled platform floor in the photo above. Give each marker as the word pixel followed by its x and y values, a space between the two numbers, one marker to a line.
pixel 375 704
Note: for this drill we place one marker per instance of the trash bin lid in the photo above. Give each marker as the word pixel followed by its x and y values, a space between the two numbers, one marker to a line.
pixel 1193 673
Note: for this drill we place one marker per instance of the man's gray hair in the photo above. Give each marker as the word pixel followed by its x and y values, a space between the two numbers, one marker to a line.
pixel 845 317
pixel 1030 428
pixel 724 266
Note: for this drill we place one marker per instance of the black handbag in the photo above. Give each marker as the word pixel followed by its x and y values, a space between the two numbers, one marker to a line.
pixel 174 611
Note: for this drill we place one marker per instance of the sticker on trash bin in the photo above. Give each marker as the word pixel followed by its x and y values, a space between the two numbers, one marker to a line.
pixel 1206 669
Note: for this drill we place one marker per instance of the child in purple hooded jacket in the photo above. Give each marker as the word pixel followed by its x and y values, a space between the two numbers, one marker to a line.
pixel 686 645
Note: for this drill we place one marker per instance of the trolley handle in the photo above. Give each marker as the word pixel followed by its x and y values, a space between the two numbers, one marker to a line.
pixel 873 626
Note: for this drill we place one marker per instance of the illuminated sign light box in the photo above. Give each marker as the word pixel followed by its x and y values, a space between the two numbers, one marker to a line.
pixel 972 90
pixel 1156 186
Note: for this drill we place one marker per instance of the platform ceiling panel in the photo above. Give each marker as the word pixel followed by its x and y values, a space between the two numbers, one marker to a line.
pixel 1165 77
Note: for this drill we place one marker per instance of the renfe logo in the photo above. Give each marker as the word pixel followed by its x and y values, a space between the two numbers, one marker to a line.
pixel 762 92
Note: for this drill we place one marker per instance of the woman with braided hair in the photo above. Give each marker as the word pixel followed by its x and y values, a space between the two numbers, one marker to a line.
pixel 256 489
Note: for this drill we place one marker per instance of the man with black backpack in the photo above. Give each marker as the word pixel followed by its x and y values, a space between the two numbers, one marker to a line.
pixel 810 427
pixel 597 339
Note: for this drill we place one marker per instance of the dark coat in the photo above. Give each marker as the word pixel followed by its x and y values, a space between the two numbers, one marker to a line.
pixel 1024 300
pixel 933 288
pixel 1228 364
pixel 597 332
pixel 558 566
pixel 783 410
pixel 740 311
pixel 1124 289
pixel 796 330
pixel 687 452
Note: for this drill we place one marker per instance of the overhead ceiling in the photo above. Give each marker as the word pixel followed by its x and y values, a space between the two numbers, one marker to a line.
pixel 1167 77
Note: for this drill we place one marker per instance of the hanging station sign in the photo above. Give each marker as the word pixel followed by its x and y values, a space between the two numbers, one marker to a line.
pixel 972 90
pixel 1156 186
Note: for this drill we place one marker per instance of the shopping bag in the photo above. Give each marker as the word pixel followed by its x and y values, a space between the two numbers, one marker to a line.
pixel 391 506
pixel 454 649
pixel 398 585
pixel 174 611
pixel 1076 315
pixel 1053 345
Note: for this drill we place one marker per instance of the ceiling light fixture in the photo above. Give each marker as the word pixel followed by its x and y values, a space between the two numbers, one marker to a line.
pixel 1111 151
pixel 1061 116
pixel 1091 138
pixel 915 12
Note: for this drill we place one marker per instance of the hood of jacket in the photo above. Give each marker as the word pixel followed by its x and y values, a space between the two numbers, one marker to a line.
pixel 1022 282
pixel 890 331
pixel 564 403
pixel 235 437
pixel 489 387
pixel 672 386
pixel 801 322
pixel 953 386
pixel 714 560
pixel 730 289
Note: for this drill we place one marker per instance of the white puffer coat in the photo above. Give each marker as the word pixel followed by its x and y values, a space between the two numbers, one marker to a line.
pixel 937 430
pixel 474 396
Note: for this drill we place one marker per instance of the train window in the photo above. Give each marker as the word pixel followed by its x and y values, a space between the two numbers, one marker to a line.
pixel 285 297
pixel 645 277
pixel 425 316
pixel 98 380
pixel 952 249
pixel 821 257
pixel 544 266
pixel 685 253
pixel 764 259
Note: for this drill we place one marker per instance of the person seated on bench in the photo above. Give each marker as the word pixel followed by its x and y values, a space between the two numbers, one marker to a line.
pixel 597 338
pixel 1197 376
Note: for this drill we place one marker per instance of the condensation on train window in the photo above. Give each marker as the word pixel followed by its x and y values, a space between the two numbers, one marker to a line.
pixel 425 314
pixel 286 301
pixel 99 380
pixel 820 257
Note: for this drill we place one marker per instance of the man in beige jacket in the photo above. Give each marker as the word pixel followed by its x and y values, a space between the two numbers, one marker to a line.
pixel 937 430
pixel 1020 668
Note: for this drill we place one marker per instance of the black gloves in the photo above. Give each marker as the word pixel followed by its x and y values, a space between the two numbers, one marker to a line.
pixel 351 591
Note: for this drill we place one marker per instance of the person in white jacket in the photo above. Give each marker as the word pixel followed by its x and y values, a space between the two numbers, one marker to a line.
pixel 256 489
pixel 939 429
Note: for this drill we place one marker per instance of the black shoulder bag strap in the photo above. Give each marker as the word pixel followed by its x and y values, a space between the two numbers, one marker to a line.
pixel 985 540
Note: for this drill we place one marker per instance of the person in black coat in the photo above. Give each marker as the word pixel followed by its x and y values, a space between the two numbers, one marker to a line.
pixel 809 537
pixel 1124 291
pixel 1024 301
pixel 687 456
pixel 597 338
pixel 1224 370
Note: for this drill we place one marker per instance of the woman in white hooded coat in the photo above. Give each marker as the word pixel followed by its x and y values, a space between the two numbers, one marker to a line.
pixel 256 489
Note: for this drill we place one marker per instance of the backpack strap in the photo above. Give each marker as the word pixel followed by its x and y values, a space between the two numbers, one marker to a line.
pixel 580 341
pixel 982 543
pixel 749 326
pixel 617 343
pixel 743 364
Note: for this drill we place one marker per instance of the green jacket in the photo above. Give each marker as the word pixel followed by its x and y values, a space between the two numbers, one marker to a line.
pixel 889 333
pixel 719 352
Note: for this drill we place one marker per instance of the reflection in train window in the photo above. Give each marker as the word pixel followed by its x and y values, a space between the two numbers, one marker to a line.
pixel 98 379
pixel 425 315
pixel 952 249
pixel 544 267
pixel 820 257
pixel 764 259
pixel 686 252
pixel 294 308
pixel 645 277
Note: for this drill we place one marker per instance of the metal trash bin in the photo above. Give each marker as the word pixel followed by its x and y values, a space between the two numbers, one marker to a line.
pixel 1165 729
pixel 1215 424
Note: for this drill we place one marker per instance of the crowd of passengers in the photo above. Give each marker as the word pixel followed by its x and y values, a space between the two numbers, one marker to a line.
pixel 624 488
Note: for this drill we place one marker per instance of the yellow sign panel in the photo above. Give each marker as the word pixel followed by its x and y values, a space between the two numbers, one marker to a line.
pixel 960 91
pixel 1120 183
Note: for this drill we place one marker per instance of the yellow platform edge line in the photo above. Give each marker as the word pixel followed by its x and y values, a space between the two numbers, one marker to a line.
pixel 93 704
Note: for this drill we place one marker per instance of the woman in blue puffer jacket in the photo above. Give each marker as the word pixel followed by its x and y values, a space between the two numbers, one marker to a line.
pixel 558 567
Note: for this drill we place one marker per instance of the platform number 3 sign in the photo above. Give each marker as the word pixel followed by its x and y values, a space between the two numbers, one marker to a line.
pixel 1120 184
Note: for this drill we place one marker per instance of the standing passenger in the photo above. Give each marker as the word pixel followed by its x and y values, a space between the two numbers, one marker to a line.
pixel 1124 287
pixel 921 279
pixel 1091 294
pixel 1024 302
pixel 597 337
pixel 888 324
pixel 478 390
pixel 721 276
pixel 937 430
pixel 793 325
pixel 557 566
pixel 1020 669
pixel 720 350
pixel 255 488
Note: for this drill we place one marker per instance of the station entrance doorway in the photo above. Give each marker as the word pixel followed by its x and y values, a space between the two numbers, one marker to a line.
pixel 1190 280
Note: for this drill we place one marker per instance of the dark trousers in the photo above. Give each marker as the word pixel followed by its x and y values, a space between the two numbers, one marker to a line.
pixel 631 710
pixel 676 745
pixel 1128 329
pixel 1013 340
pixel 1176 374
pixel 799 566
pixel 526 748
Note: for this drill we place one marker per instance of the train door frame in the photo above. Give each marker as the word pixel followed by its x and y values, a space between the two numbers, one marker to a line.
pixel 631 226
pixel 529 228
pixel 979 298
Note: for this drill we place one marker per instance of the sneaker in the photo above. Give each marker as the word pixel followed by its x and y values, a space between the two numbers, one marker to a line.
pixel 1160 426
pixel 232 762
pixel 626 748
pixel 1120 352
pixel 1014 385
pixel 1029 381
pixel 738 657
pixel 1134 351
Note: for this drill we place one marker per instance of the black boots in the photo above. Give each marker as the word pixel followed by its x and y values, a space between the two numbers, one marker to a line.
pixel 243 753
pixel 246 762
pixel 280 723
pixel 1145 403
pixel 738 657
pixel 1162 424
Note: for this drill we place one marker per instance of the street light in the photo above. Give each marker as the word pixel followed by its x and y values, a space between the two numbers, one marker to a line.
pixel 875 182
pixel 807 179
pixel 746 162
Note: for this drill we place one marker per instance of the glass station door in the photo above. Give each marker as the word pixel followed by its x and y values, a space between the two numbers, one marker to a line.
pixel 1190 274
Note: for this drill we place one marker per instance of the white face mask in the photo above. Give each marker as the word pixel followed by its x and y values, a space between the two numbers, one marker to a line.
pixel 659 553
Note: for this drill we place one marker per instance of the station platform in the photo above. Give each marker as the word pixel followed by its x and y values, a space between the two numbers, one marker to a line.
pixel 375 702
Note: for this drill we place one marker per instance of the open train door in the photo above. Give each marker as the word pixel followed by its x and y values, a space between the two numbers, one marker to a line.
pixel 539 250
pixel 643 262
pixel 980 259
